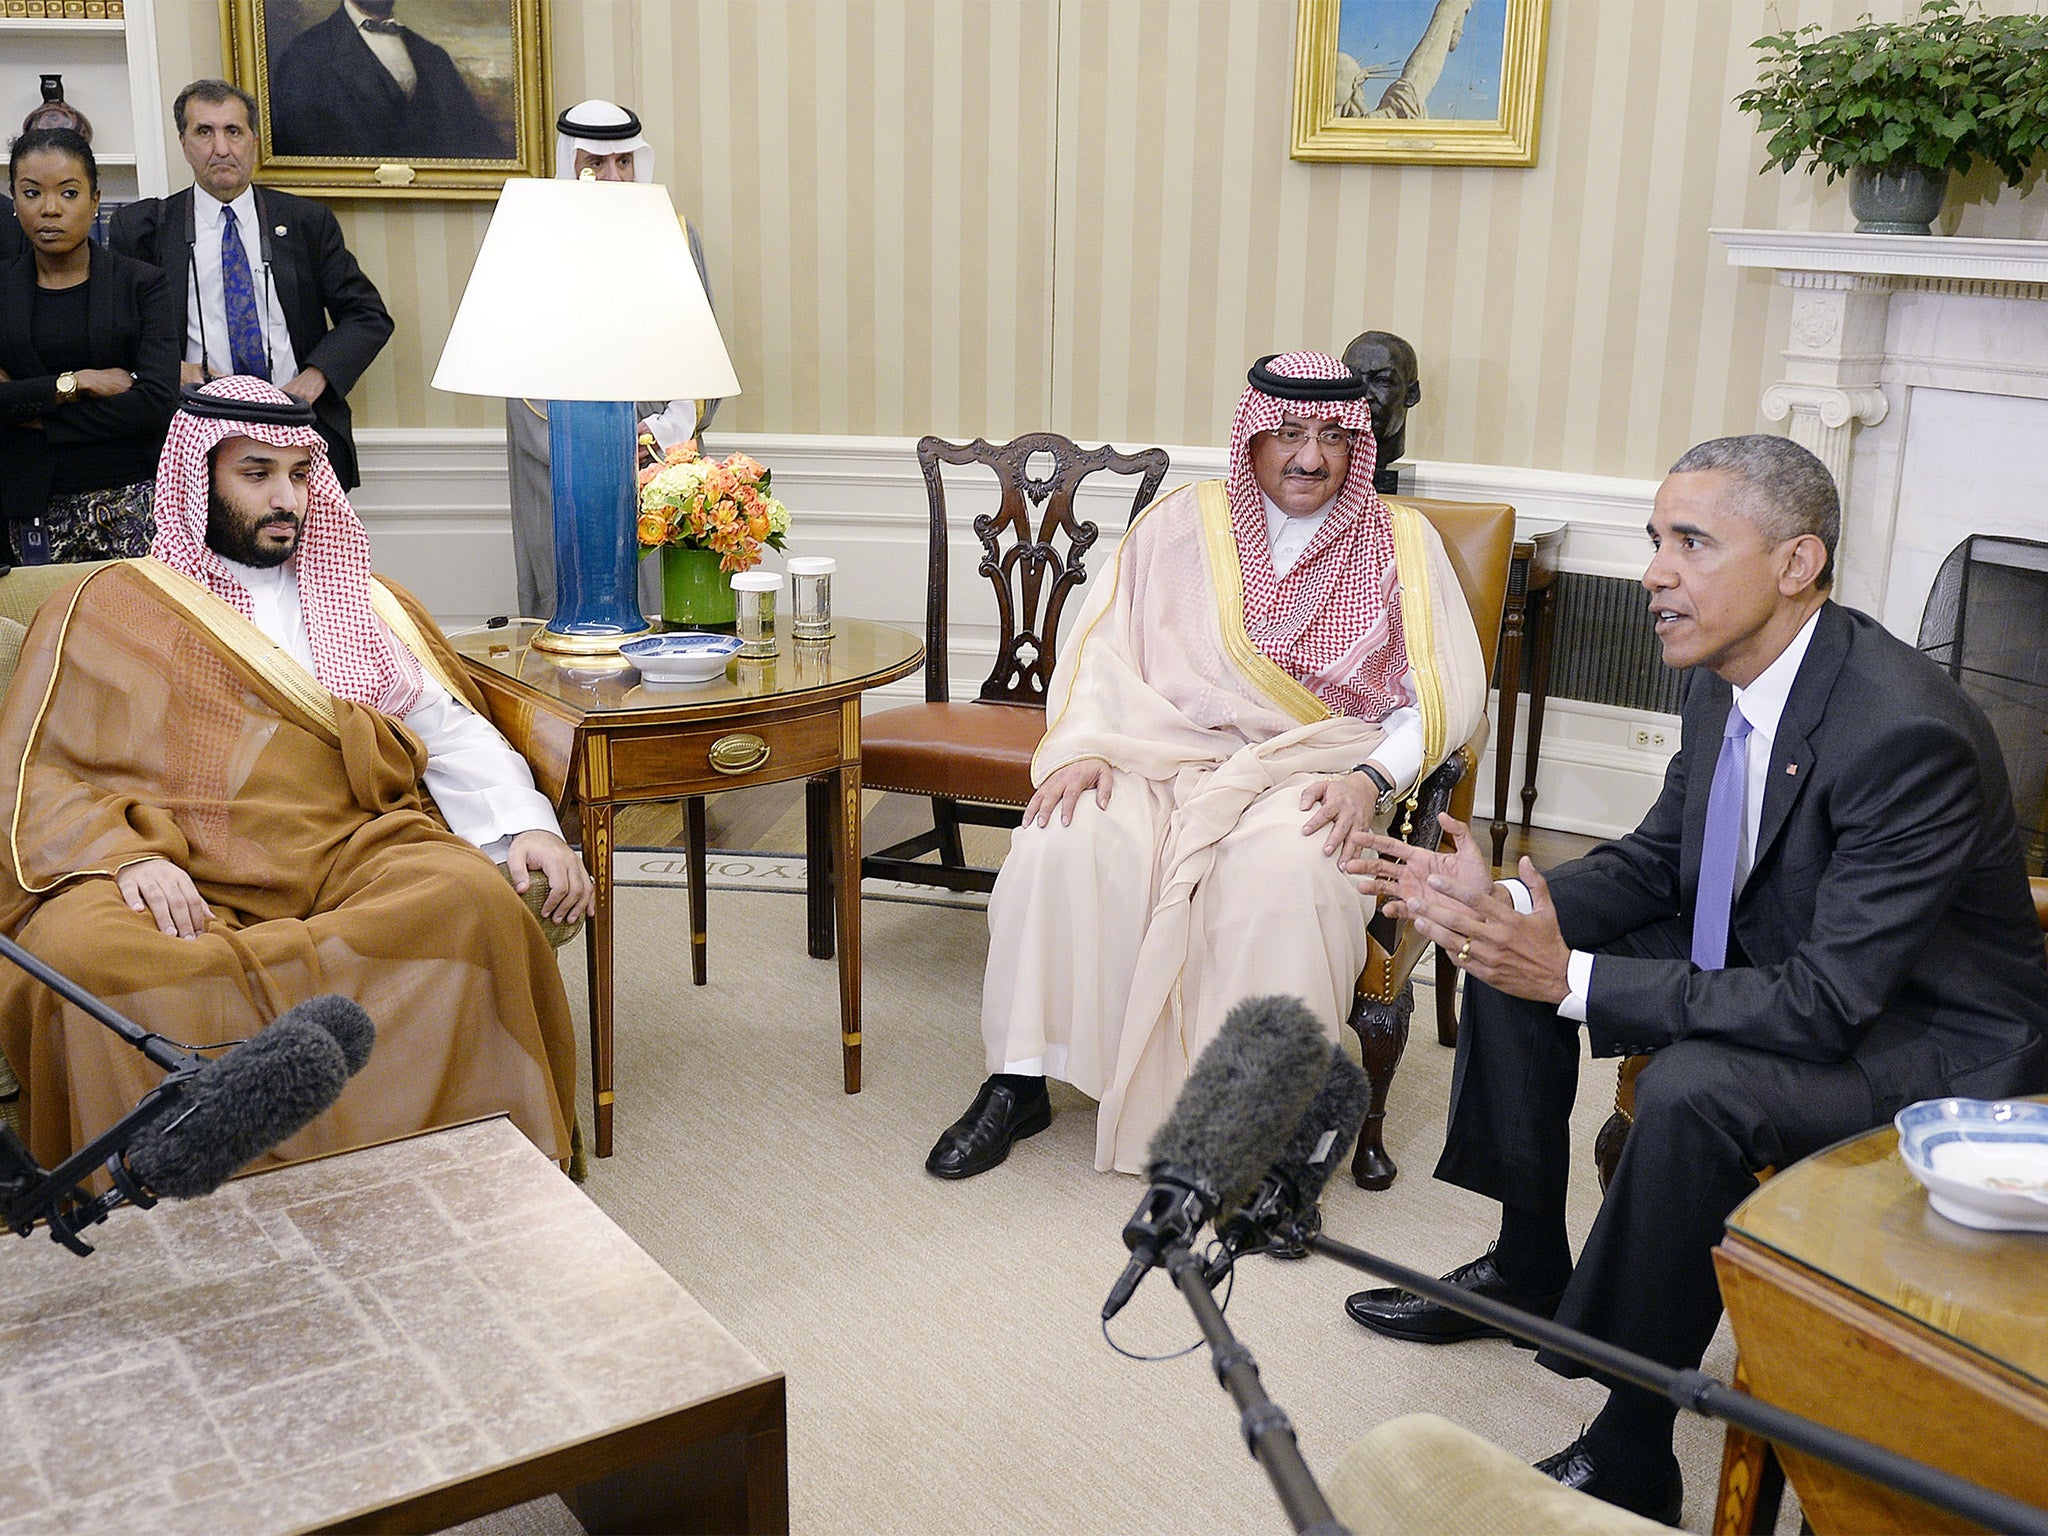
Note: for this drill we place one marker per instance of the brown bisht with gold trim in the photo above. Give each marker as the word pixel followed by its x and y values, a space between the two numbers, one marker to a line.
pixel 149 719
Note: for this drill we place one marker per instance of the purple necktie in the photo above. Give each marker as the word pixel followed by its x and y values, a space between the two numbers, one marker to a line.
pixel 238 296
pixel 1721 846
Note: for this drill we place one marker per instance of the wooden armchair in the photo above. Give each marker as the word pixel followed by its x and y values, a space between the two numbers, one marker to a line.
pixel 973 760
pixel 1480 539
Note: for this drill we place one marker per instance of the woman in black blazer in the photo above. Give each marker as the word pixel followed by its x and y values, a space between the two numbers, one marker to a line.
pixel 89 345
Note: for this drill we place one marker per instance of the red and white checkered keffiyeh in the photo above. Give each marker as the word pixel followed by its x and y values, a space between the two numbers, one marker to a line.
pixel 1334 620
pixel 353 657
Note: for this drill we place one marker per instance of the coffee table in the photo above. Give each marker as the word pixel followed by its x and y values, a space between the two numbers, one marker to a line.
pixel 1855 1304
pixel 393 1339
pixel 597 727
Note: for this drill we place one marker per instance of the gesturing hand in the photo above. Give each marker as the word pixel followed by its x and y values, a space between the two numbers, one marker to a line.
pixel 1399 873
pixel 166 892
pixel 1521 954
pixel 1063 789
pixel 570 893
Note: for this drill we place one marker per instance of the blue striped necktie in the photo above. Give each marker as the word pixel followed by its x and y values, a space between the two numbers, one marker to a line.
pixel 238 290
pixel 1714 904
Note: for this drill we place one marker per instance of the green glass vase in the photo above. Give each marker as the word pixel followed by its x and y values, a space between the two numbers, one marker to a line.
pixel 694 591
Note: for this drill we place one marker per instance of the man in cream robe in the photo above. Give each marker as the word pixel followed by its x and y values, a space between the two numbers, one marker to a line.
pixel 1263 667
pixel 230 773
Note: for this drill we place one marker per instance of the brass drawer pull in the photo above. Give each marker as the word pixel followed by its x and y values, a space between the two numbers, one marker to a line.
pixel 739 754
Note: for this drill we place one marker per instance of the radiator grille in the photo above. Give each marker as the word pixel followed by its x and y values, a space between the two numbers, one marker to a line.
pixel 1605 651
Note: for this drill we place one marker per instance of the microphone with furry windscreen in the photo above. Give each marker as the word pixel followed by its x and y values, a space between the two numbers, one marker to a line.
pixel 1294 1184
pixel 194 1129
pixel 238 1106
pixel 1244 1096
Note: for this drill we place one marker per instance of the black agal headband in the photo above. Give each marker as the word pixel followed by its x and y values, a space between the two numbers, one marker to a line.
pixel 1281 387
pixel 629 129
pixel 267 413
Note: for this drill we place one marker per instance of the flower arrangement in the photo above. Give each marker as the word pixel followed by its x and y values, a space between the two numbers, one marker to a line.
pixel 692 503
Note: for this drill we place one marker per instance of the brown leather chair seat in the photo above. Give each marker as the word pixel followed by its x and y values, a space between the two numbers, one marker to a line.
pixel 970 750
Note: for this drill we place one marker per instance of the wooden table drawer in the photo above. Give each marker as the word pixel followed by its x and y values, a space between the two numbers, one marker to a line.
pixel 655 764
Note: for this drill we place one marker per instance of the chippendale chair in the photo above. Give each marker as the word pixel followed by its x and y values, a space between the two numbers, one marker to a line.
pixel 1480 539
pixel 972 760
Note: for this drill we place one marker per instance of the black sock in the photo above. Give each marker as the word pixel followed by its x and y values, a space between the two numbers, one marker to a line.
pixel 1533 1254
pixel 1026 1085
pixel 1631 1436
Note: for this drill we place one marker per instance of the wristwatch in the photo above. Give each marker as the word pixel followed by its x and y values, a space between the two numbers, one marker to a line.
pixel 67 388
pixel 1387 797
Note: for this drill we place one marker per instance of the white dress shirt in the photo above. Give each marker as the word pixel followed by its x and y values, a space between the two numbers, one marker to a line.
pixel 389 47
pixel 1400 750
pixel 484 788
pixel 206 319
pixel 1763 706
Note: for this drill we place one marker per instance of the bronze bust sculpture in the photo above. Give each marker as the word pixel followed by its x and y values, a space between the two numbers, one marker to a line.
pixel 1388 366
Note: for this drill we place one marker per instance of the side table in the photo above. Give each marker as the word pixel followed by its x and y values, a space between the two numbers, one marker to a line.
pixel 592 725
pixel 1853 1303
pixel 1531 605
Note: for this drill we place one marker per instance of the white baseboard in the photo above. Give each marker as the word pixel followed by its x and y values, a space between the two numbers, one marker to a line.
pixel 436 502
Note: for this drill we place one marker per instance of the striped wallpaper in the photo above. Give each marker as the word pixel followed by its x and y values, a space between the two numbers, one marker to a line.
pixel 997 215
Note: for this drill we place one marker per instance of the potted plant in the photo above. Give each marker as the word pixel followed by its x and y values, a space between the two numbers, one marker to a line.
pixel 709 520
pixel 1898 105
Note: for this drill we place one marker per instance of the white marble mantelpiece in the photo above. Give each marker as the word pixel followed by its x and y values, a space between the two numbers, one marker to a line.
pixel 1916 367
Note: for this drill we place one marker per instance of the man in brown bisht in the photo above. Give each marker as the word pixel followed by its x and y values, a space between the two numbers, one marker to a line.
pixel 229 774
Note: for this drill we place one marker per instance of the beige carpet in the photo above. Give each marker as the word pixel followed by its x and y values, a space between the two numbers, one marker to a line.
pixel 946 1370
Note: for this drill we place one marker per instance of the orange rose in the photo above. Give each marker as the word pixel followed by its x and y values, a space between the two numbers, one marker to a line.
pixel 652 528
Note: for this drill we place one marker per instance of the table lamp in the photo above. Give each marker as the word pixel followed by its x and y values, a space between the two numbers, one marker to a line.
pixel 584 295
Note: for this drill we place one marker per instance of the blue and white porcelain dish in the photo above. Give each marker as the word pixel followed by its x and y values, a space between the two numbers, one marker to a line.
pixel 681 658
pixel 1984 1161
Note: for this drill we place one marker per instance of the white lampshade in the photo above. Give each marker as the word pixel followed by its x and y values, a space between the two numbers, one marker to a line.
pixel 585 290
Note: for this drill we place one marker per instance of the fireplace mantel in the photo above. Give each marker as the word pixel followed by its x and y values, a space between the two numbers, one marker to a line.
pixel 1912 260
pixel 1920 364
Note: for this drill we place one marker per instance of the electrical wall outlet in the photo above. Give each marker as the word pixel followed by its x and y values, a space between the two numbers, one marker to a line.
pixel 1649 738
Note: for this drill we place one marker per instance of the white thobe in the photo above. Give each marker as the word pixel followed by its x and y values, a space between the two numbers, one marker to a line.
pixel 483 788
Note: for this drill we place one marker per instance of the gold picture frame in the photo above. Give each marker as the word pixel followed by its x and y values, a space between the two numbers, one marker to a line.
pixel 1410 67
pixel 477 110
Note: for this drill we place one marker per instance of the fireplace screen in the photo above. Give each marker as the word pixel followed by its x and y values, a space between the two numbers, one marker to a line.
pixel 1987 622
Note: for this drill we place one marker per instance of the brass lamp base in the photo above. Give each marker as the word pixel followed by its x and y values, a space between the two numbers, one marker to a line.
pixel 549 639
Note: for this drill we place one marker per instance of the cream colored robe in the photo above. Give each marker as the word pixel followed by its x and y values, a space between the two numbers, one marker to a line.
pixel 1119 944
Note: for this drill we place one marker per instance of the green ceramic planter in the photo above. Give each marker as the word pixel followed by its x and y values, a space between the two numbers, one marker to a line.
pixel 694 591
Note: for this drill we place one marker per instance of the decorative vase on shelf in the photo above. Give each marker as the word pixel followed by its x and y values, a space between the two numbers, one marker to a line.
pixel 1906 201
pixel 694 591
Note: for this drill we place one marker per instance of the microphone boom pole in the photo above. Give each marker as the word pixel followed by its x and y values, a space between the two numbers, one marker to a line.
pixel 1268 1432
pixel 1704 1395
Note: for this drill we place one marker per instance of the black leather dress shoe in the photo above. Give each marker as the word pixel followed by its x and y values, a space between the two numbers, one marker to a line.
pixel 981 1138
pixel 1655 1495
pixel 1402 1314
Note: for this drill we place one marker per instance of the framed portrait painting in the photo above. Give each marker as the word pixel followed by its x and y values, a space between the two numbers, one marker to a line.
pixel 394 98
pixel 1419 82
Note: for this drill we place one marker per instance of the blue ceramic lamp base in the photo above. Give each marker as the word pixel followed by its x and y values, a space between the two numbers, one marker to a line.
pixel 597 552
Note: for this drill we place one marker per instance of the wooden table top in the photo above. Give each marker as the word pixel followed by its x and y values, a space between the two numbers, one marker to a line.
pixel 861 654
pixel 1854 1214
pixel 332 1337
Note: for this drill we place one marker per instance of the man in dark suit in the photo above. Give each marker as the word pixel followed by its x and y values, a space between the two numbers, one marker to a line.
pixel 362 83
pixel 1824 917
pixel 270 288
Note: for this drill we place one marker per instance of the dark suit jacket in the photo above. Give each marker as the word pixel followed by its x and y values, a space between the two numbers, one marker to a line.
pixel 12 241
pixel 330 96
pixel 133 322
pixel 1886 917
pixel 317 282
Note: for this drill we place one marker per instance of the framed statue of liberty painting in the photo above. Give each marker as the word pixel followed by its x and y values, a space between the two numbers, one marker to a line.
pixel 1419 82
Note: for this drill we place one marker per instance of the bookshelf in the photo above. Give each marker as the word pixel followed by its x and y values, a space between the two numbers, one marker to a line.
pixel 110 74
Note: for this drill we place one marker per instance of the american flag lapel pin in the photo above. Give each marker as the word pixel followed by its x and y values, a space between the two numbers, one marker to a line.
pixel 1791 770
